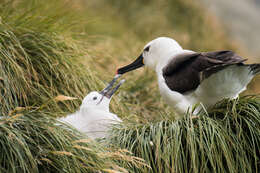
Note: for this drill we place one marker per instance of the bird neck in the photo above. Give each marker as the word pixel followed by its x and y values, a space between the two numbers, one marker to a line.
pixel 164 60
pixel 103 108
pixel 167 57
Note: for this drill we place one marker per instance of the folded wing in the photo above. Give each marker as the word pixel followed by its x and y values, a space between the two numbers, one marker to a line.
pixel 185 72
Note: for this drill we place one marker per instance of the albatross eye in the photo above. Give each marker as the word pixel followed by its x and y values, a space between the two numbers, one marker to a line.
pixel 94 98
pixel 147 49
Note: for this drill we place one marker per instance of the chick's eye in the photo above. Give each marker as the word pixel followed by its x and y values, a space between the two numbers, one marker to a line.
pixel 94 98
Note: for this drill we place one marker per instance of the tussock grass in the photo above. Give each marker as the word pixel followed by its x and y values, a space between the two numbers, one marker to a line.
pixel 53 49
pixel 40 67
pixel 38 56
pixel 225 139
pixel 137 23
pixel 33 141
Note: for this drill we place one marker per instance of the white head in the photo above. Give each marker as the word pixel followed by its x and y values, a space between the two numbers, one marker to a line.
pixel 96 100
pixel 100 100
pixel 154 52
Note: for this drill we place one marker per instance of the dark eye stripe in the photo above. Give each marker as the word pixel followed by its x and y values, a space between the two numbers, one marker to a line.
pixel 94 98
pixel 147 48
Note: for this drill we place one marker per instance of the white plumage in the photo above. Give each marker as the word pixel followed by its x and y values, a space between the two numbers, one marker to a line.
pixel 93 117
pixel 228 83
pixel 186 77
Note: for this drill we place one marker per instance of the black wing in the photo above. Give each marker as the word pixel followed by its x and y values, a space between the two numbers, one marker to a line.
pixel 186 71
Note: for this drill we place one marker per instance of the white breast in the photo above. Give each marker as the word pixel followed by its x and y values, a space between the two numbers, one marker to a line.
pixel 178 101
pixel 94 123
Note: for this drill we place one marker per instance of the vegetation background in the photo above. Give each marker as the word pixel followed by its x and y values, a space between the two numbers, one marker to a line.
pixel 240 20
pixel 52 53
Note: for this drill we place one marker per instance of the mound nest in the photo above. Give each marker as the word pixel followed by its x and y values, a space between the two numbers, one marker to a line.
pixel 224 139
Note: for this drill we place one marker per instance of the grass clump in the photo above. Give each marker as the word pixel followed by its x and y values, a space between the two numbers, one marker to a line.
pixel 33 141
pixel 39 67
pixel 39 63
pixel 137 23
pixel 226 139
pixel 48 50
pixel 39 56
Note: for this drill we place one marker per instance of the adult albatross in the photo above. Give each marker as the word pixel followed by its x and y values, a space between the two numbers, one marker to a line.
pixel 186 77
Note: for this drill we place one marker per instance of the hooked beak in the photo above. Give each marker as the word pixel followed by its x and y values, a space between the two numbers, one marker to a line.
pixel 134 65
pixel 108 91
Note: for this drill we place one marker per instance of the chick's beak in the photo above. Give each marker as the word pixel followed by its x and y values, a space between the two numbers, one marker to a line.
pixel 108 91
pixel 112 91
pixel 134 65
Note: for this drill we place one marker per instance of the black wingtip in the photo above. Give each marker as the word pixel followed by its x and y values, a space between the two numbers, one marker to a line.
pixel 255 69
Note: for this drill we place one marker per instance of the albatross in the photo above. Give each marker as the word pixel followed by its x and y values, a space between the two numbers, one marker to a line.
pixel 186 77
pixel 94 118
